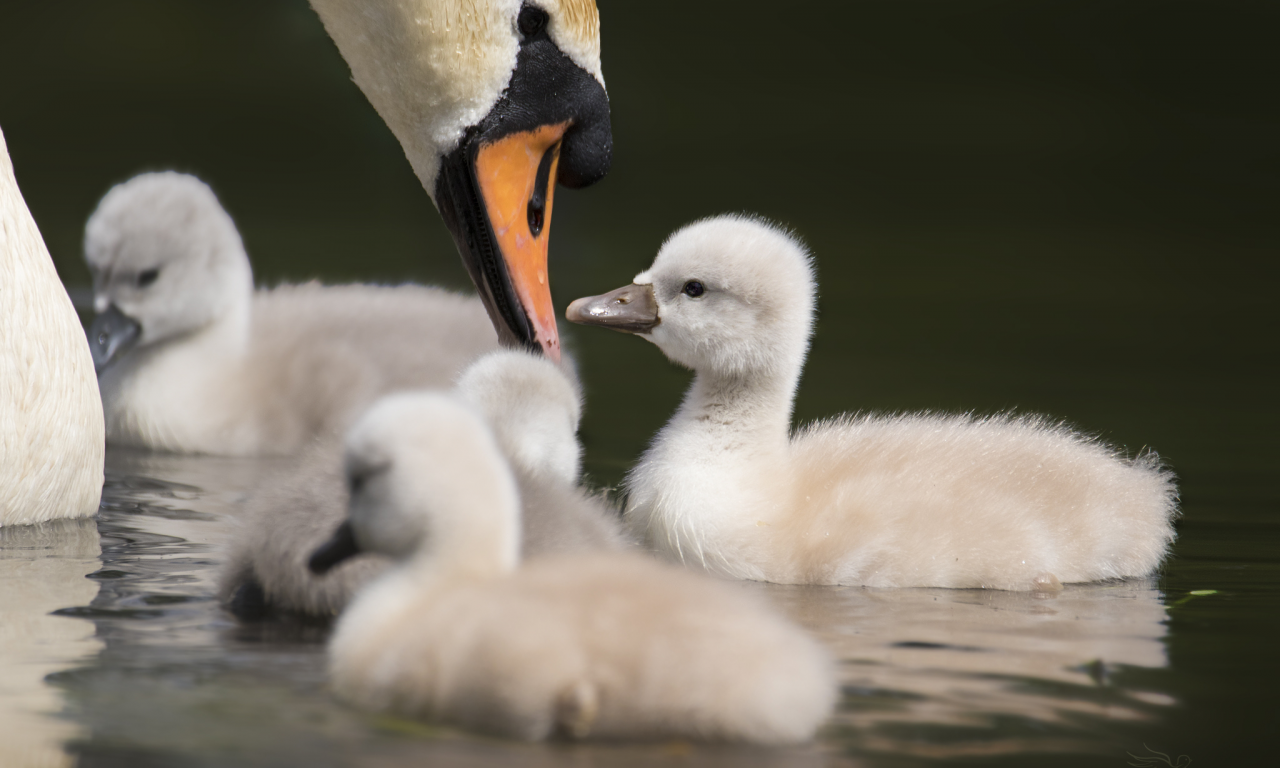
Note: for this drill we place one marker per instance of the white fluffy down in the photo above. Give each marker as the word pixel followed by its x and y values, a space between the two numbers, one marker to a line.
pixel 607 646
pixel 533 408
pixel 890 501
pixel 51 431
pixel 221 368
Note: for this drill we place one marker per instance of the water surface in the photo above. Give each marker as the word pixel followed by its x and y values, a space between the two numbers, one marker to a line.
pixel 926 674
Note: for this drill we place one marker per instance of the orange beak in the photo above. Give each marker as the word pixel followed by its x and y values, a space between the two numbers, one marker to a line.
pixel 517 178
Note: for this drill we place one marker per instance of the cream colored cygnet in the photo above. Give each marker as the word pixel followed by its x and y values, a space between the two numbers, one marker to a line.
pixel 534 408
pixel 917 500
pixel 51 432
pixel 612 646
pixel 192 359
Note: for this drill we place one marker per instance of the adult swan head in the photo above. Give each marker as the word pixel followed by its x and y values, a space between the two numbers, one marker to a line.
pixel 494 101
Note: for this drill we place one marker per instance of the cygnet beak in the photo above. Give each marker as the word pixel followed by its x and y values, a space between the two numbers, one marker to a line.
pixel 111 333
pixel 341 546
pixel 632 309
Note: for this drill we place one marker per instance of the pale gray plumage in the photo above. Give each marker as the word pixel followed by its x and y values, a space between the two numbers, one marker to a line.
pixel 535 407
pixel 221 368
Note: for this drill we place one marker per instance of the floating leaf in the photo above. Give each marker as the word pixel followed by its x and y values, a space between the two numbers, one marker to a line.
pixel 1194 594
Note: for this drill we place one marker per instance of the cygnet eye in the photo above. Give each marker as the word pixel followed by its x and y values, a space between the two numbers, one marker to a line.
pixel 693 289
pixel 147 277
pixel 355 483
pixel 531 20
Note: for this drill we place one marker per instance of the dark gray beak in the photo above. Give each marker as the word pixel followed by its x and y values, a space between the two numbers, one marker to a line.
pixel 339 547
pixel 111 333
pixel 632 309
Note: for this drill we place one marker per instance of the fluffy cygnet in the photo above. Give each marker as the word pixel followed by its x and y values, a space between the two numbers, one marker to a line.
pixel 192 359
pixel 51 433
pixel 888 501
pixel 587 645
pixel 534 409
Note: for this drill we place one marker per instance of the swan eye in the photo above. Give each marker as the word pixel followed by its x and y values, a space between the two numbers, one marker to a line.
pixel 147 277
pixel 693 289
pixel 531 21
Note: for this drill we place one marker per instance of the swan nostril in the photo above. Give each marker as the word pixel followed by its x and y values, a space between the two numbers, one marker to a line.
pixel 537 216
pixel 537 210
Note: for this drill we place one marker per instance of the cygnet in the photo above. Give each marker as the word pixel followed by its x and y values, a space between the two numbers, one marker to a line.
pixel 886 501
pixel 534 408
pixel 192 359
pixel 612 646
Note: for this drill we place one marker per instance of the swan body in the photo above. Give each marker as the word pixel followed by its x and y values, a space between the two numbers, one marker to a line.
pixel 888 501
pixel 493 101
pixel 217 367
pixel 611 646
pixel 51 427
pixel 533 408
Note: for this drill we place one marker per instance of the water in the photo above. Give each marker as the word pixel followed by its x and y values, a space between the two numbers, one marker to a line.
pixel 168 679
pixel 1043 207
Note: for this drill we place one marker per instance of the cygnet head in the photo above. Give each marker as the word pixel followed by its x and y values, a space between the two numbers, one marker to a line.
pixel 533 408
pixel 166 260
pixel 731 295
pixel 426 477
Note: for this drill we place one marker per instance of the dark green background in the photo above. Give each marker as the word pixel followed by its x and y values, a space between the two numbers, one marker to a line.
pixel 1061 207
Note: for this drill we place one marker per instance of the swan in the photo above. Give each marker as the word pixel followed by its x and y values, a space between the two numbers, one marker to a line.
pixel 493 102
pixel 916 500
pixel 604 645
pixel 52 444
pixel 193 359
pixel 533 407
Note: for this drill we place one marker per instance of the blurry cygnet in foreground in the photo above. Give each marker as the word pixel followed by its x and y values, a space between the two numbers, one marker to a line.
pixel 605 645
pixel 533 409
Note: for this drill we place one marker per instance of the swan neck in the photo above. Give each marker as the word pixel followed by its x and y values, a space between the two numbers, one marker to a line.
pixel 759 404
pixel 474 534
pixel 227 335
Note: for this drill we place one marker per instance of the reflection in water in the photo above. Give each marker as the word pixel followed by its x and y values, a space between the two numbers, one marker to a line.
pixel 927 674
pixel 42 570
pixel 970 661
